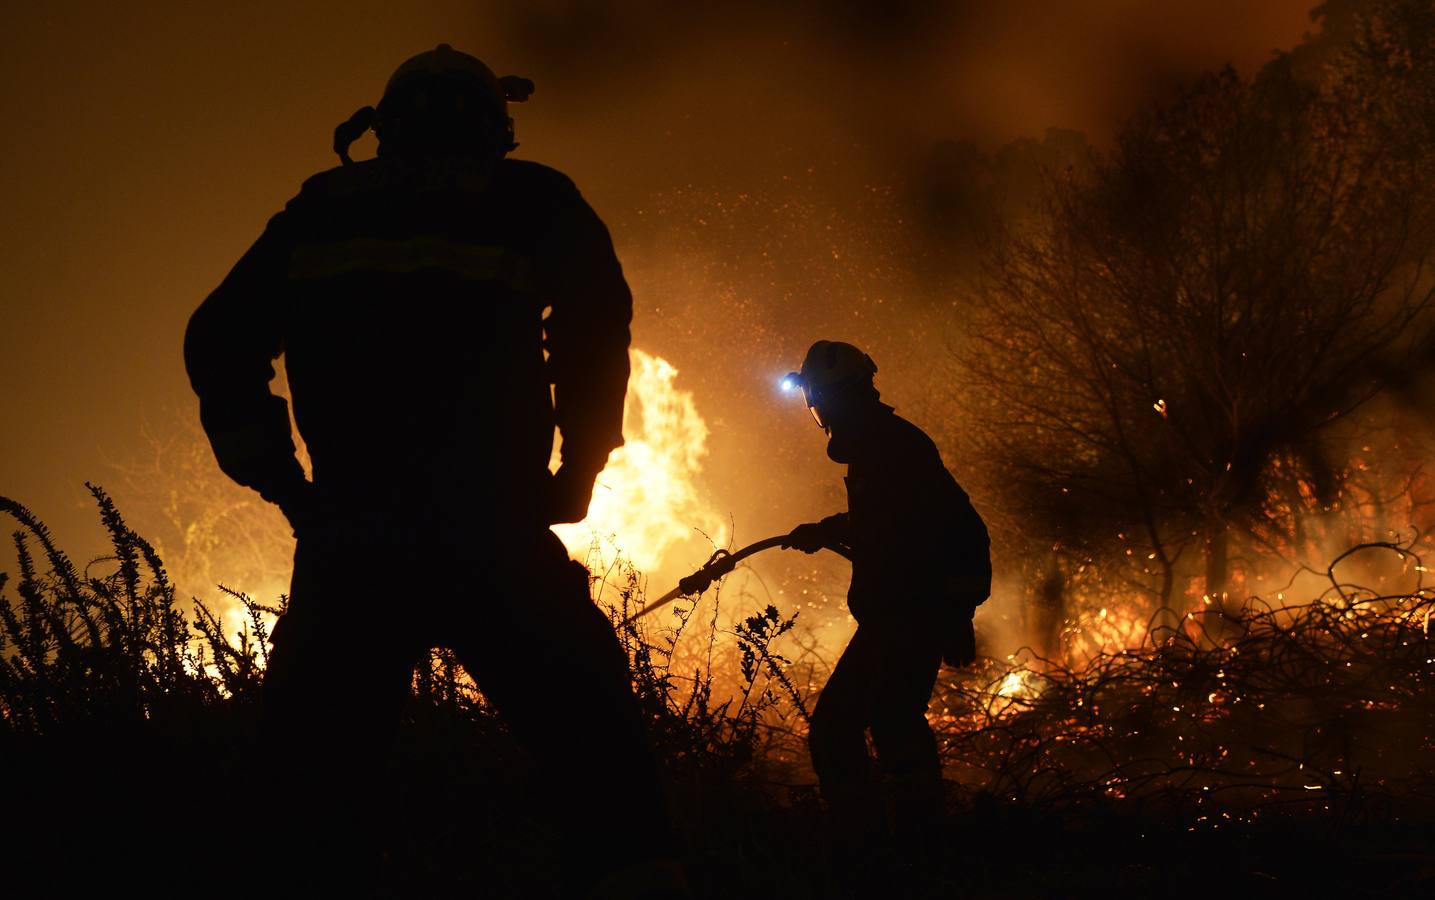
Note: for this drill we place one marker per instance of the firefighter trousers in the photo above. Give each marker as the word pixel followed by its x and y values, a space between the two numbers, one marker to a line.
pixel 883 683
pixel 517 613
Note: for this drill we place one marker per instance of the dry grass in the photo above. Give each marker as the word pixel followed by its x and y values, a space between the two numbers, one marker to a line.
pixel 127 724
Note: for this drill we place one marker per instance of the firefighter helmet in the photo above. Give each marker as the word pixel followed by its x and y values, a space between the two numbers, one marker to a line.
pixel 831 369
pixel 445 64
pixel 440 98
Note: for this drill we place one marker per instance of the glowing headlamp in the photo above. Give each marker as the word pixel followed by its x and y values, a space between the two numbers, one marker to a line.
pixel 792 381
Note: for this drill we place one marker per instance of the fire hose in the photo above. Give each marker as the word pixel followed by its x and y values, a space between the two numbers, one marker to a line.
pixel 721 563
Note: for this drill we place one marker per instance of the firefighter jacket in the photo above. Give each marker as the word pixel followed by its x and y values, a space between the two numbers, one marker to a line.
pixel 415 306
pixel 918 546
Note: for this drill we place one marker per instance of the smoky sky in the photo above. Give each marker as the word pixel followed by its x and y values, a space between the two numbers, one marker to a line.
pixel 146 145
pixel 747 85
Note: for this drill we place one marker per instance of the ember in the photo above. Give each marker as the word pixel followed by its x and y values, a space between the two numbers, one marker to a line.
pixel 1311 708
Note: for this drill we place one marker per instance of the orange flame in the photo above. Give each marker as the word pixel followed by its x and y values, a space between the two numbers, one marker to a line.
pixel 646 506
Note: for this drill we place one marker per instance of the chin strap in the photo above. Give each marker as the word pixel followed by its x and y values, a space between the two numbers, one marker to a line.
pixel 351 130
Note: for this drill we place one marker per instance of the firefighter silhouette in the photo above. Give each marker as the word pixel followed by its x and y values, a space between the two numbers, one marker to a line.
pixel 414 297
pixel 920 567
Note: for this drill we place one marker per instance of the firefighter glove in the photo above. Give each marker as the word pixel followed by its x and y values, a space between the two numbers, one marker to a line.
pixel 960 647
pixel 808 537
pixel 297 501
pixel 570 492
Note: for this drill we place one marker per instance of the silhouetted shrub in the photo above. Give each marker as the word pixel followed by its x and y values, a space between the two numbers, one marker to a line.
pixel 127 727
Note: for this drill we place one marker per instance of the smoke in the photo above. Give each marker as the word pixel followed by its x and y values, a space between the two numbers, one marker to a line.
pixel 779 173
pixel 749 87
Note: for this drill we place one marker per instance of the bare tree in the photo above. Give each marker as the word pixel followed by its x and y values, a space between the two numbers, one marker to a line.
pixel 1164 352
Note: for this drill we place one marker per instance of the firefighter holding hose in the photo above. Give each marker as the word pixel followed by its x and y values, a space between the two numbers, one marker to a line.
pixel 440 309
pixel 920 567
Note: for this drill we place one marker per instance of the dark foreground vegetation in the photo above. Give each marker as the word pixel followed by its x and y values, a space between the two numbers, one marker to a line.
pixel 1287 750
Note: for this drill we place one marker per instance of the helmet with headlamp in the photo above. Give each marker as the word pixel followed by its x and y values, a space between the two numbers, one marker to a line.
pixel 831 372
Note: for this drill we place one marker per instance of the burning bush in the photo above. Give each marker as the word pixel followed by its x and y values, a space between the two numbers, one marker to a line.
pixel 1325 708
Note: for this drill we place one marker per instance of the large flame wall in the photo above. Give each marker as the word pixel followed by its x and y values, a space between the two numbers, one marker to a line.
pixel 647 504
